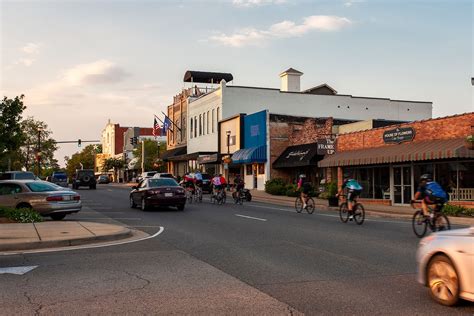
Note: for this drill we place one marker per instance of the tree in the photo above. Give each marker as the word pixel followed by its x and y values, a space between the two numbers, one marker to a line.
pixel 86 157
pixel 153 151
pixel 26 156
pixel 114 164
pixel 11 135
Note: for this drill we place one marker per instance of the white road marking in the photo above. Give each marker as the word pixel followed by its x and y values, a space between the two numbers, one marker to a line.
pixel 112 218
pixel 85 246
pixel 17 270
pixel 256 218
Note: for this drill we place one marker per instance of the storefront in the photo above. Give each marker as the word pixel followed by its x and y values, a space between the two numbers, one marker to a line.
pixel 389 161
pixel 176 163
pixel 252 157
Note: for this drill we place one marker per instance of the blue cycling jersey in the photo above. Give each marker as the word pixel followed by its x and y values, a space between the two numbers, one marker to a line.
pixel 352 184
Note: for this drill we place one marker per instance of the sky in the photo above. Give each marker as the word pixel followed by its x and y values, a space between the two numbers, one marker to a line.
pixel 80 63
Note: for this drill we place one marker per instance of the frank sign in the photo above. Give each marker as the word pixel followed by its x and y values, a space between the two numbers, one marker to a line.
pixel 326 146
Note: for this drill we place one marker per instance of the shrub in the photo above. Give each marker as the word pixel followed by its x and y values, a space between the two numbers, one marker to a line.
pixel 275 186
pixel 22 215
pixel 470 138
pixel 330 191
pixel 292 190
pixel 457 210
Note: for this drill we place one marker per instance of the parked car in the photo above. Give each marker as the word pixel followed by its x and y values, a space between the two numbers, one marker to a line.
pixel 103 179
pixel 206 183
pixel 18 175
pixel 84 178
pixel 446 265
pixel 159 175
pixel 146 175
pixel 157 192
pixel 59 178
pixel 46 198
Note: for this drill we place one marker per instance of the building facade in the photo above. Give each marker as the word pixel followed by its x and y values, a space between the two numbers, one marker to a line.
pixel 388 161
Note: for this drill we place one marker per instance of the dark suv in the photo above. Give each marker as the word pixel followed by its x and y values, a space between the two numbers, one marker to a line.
pixel 84 178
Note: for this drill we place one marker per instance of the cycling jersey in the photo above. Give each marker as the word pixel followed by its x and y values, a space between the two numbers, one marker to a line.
pixel 198 176
pixel 352 184
pixel 216 181
pixel 432 192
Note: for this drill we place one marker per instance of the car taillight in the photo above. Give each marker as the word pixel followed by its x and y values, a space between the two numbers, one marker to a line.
pixel 76 198
pixel 54 198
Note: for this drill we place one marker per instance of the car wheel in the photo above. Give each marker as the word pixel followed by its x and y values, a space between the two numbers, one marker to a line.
pixel 92 187
pixel 24 205
pixel 443 280
pixel 181 207
pixel 132 204
pixel 58 216
pixel 143 205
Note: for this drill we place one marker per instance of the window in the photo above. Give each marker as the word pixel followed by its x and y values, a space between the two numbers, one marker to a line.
pixel 204 124
pixel 375 181
pixel 207 126
pixel 248 170
pixel 213 119
pixel 200 124
pixel 164 182
pixel 195 126
pixel 41 187
pixel 218 114
pixel 191 130
pixel 9 188
pixel 261 168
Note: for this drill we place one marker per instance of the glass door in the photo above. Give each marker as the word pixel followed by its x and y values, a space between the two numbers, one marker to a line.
pixel 402 186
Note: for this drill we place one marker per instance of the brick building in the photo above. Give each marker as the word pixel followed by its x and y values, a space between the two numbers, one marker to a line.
pixel 388 161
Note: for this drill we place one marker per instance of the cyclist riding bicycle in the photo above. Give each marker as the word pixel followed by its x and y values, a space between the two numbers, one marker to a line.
pixel 354 189
pixel 239 185
pixel 188 182
pixel 305 188
pixel 430 193
pixel 216 184
pixel 198 179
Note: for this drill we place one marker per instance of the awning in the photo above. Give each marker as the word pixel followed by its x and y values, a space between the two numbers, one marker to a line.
pixel 250 155
pixel 209 159
pixel 167 155
pixel 298 156
pixel 415 151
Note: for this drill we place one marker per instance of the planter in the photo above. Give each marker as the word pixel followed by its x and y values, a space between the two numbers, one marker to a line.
pixel 469 145
pixel 333 201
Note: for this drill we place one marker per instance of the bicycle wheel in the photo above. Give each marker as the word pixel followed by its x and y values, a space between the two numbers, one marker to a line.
pixel 419 224
pixel 298 205
pixel 240 199
pixel 442 223
pixel 344 212
pixel 359 213
pixel 310 206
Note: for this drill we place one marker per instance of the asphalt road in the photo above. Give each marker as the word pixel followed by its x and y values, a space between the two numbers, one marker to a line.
pixel 230 259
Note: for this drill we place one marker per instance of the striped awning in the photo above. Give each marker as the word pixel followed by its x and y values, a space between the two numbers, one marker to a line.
pixel 415 151
pixel 250 155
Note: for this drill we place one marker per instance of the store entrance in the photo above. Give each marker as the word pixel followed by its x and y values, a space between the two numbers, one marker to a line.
pixel 402 184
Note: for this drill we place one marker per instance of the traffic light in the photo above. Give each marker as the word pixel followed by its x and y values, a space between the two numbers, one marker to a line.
pixel 78 143
pixel 132 140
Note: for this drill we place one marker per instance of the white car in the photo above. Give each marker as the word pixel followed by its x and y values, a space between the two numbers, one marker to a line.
pixel 146 175
pixel 446 265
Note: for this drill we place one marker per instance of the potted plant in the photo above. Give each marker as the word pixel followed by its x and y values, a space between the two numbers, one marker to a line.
pixel 330 194
pixel 470 142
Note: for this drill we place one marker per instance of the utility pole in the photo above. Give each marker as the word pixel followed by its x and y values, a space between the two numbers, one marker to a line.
pixel 38 155
pixel 143 155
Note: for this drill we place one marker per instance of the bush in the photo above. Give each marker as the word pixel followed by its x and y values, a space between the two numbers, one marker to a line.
pixel 276 186
pixel 457 210
pixel 330 191
pixel 22 215
pixel 292 190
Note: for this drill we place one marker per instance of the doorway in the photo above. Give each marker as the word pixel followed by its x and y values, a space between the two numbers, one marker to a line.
pixel 402 184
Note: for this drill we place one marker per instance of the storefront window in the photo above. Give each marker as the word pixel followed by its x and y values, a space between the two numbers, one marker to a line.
pixel 382 183
pixel 248 170
pixel 261 168
pixel 445 175
pixel 421 169
pixel 375 181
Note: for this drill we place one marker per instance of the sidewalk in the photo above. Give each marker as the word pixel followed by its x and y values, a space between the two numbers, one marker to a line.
pixel 29 236
pixel 404 212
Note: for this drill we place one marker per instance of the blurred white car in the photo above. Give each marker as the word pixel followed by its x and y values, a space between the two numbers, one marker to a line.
pixel 446 265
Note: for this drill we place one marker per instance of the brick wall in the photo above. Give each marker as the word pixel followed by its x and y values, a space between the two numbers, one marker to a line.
pixel 145 131
pixel 119 131
pixel 457 126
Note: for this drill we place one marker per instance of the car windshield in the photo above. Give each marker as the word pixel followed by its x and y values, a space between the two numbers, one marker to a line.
pixel 59 176
pixel 206 176
pixel 163 182
pixel 86 173
pixel 150 174
pixel 38 186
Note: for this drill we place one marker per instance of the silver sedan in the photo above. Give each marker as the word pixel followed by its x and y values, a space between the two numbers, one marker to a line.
pixel 44 197
pixel 446 265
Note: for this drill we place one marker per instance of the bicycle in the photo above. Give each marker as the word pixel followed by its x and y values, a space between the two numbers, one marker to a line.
pixel 420 222
pixel 189 195
pixel 219 197
pixel 309 205
pixel 238 197
pixel 357 213
pixel 198 194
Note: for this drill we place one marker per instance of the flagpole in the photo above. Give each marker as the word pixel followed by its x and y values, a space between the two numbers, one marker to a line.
pixel 166 116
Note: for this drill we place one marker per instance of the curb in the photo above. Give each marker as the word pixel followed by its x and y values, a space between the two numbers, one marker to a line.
pixel 124 233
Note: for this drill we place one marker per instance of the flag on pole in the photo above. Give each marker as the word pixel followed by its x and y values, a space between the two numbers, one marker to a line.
pixel 156 128
pixel 167 124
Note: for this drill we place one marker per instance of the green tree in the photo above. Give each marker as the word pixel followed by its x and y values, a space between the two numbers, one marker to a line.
pixel 11 135
pixel 86 157
pixel 153 151
pixel 36 133
pixel 114 164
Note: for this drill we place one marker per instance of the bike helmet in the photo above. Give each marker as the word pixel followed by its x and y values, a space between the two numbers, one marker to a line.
pixel 302 176
pixel 426 177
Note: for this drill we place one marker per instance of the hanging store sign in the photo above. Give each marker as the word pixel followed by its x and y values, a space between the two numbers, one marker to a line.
pixel 399 135
pixel 326 146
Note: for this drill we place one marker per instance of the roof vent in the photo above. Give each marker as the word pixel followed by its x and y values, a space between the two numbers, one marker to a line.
pixel 290 80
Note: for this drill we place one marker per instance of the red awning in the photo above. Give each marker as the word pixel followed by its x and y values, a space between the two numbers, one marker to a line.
pixel 415 151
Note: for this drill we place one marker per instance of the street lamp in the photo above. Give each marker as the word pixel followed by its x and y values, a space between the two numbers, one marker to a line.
pixel 228 141
pixel 38 153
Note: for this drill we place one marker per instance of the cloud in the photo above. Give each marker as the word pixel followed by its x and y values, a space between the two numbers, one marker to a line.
pixel 255 3
pixel 25 61
pixel 98 72
pixel 31 48
pixel 349 3
pixel 284 29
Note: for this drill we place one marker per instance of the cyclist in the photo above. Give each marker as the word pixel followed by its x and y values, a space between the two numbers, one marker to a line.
pixel 354 189
pixel 216 184
pixel 305 188
pixel 239 185
pixel 198 179
pixel 430 193
pixel 188 182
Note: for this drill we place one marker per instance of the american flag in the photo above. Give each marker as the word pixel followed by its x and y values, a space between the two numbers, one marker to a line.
pixel 156 128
